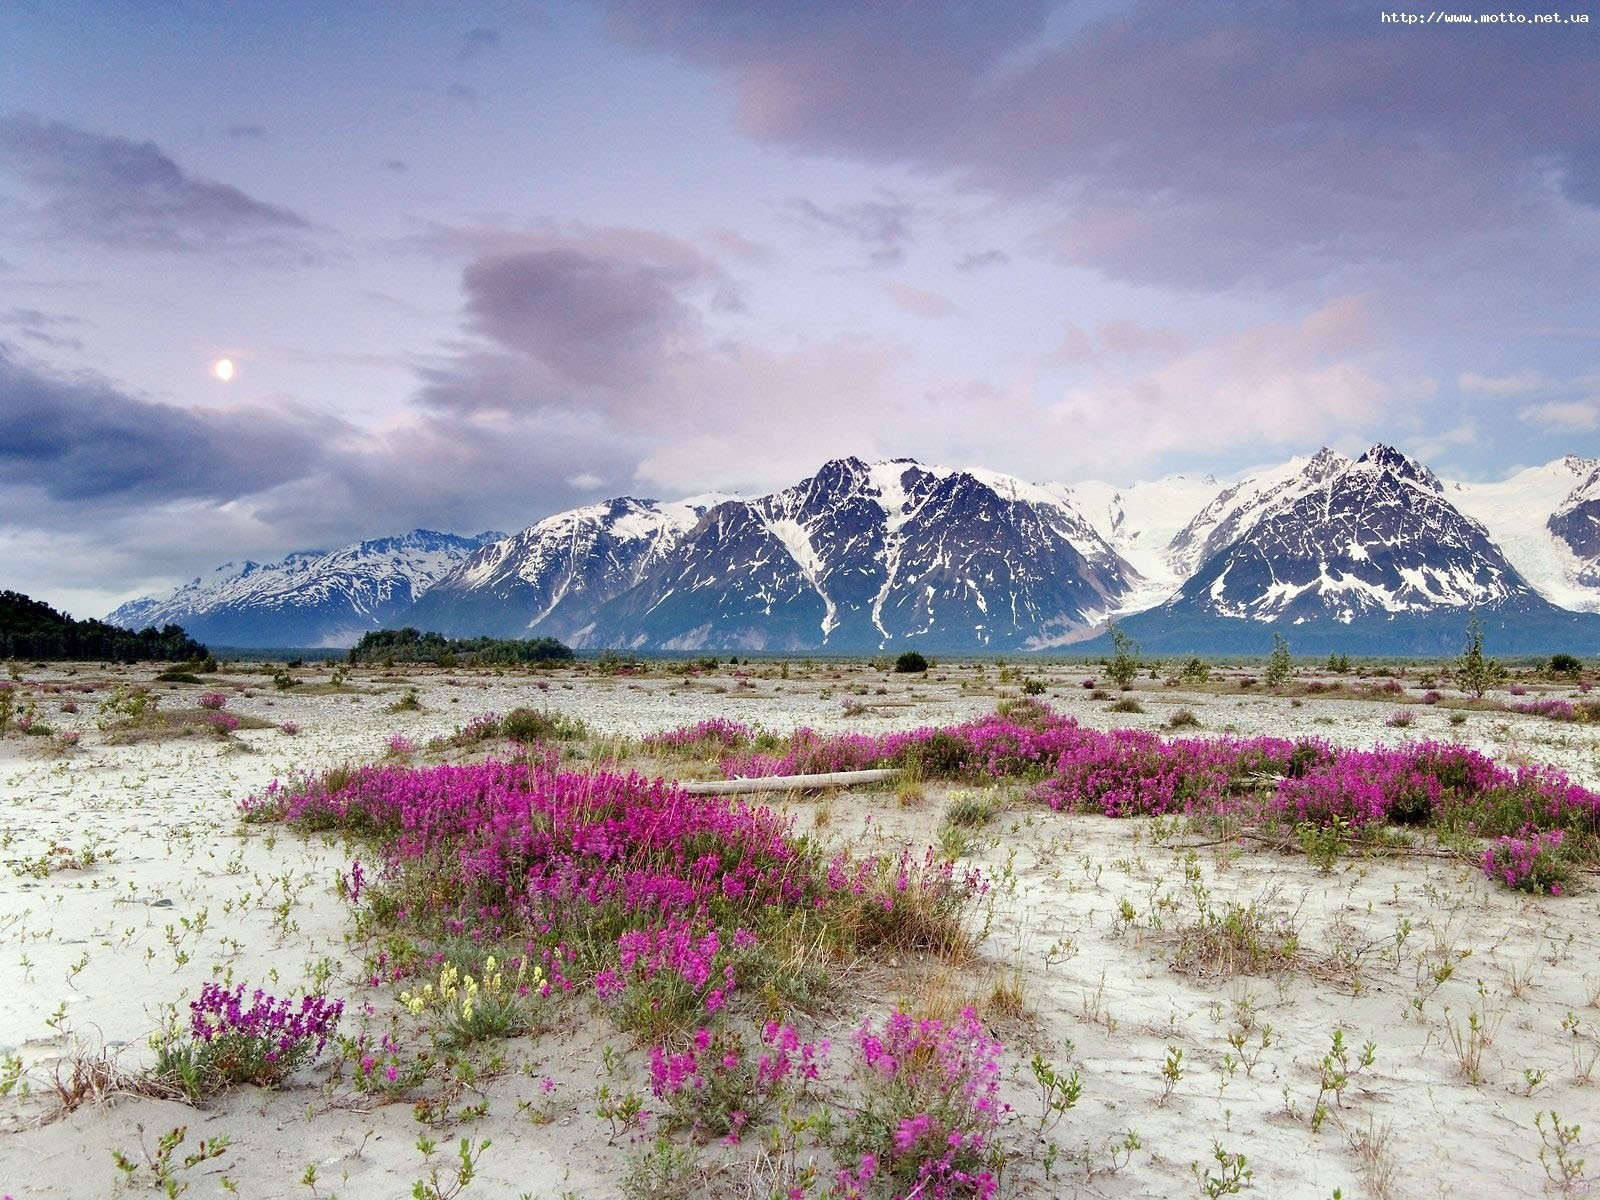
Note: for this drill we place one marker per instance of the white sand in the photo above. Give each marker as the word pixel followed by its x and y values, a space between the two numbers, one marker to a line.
pixel 190 896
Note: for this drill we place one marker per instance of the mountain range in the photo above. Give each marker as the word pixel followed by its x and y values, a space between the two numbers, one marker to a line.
pixel 1368 555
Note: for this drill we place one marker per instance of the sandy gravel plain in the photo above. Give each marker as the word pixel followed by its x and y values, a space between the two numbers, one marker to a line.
pixel 129 882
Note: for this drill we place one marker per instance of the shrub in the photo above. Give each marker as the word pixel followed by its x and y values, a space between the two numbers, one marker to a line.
pixel 1279 664
pixel 212 701
pixel 1124 664
pixel 1033 687
pixel 231 1042
pixel 1564 664
pixel 1534 863
pixel 222 724
pixel 930 1108
pixel 1182 719
pixel 1126 705
pixel 1474 672
pixel 1196 670
pixel 533 725
pixel 714 733
pixel 1400 719
pixel 910 663
pixel 716 1088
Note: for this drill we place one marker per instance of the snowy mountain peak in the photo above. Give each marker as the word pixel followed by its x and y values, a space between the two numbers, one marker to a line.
pixel 309 597
pixel 1386 458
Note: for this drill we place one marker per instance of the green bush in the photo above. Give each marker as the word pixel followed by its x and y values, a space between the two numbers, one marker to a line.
pixel 1279 664
pixel 532 725
pixel 910 663
pixel 1124 664
pixel 1474 672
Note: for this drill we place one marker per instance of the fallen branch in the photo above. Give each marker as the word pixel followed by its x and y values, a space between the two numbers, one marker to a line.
pixel 788 783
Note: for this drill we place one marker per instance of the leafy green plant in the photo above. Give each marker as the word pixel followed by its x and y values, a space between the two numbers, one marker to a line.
pixel 1561 1165
pixel 1058 1092
pixel 1124 664
pixel 447 1182
pixel 159 1167
pixel 1279 664
pixel 910 663
pixel 1474 672
pixel 1232 1177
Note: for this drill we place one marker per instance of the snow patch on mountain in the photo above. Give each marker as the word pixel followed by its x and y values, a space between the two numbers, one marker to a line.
pixel 1518 512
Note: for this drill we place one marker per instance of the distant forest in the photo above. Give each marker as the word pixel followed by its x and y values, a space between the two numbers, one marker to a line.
pixel 32 629
pixel 383 646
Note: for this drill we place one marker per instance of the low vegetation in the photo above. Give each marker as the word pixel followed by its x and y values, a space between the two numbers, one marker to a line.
pixel 389 647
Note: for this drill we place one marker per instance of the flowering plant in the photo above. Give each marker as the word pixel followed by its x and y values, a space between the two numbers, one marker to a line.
pixel 1531 863
pixel 260 1042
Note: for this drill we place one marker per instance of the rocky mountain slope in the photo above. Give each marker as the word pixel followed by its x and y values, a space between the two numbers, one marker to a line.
pixel 1366 554
pixel 310 597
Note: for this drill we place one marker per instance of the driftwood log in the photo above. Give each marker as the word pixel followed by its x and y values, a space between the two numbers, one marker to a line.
pixel 788 783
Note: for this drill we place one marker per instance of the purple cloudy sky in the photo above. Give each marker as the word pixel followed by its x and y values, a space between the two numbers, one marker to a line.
pixel 476 262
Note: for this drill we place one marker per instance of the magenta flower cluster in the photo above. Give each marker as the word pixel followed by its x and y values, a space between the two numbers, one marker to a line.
pixel 212 700
pixel 1130 772
pixel 664 889
pixel 260 1041
pixel 931 1107
pixel 714 733
pixel 222 723
pixel 716 1086
pixel 1557 709
pixel 1531 863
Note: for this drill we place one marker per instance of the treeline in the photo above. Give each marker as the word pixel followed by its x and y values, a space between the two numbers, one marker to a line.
pixel 387 646
pixel 32 629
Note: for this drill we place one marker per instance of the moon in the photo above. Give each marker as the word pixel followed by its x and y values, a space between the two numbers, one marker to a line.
pixel 223 369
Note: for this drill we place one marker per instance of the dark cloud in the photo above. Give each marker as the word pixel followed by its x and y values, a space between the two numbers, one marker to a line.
pixel 247 133
pixel 49 329
pixel 117 192
pixel 78 439
pixel 1195 144
pixel 397 165
pixel 592 316
pixel 883 227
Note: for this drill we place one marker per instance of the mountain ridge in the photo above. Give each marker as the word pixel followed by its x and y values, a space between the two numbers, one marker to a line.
pixel 864 556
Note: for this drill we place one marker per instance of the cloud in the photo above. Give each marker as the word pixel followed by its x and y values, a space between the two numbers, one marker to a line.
pixel 883 227
pixel 1564 416
pixel 74 439
pixel 1115 339
pixel 48 329
pixel 920 301
pixel 1196 145
pixel 1277 384
pixel 593 313
pixel 981 259
pixel 1519 384
pixel 115 192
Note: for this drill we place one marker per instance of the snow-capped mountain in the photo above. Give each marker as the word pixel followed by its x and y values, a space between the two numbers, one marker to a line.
pixel 1141 522
pixel 863 556
pixel 310 597
pixel 1370 544
pixel 1544 519
pixel 1576 524
pixel 1370 554
pixel 548 579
